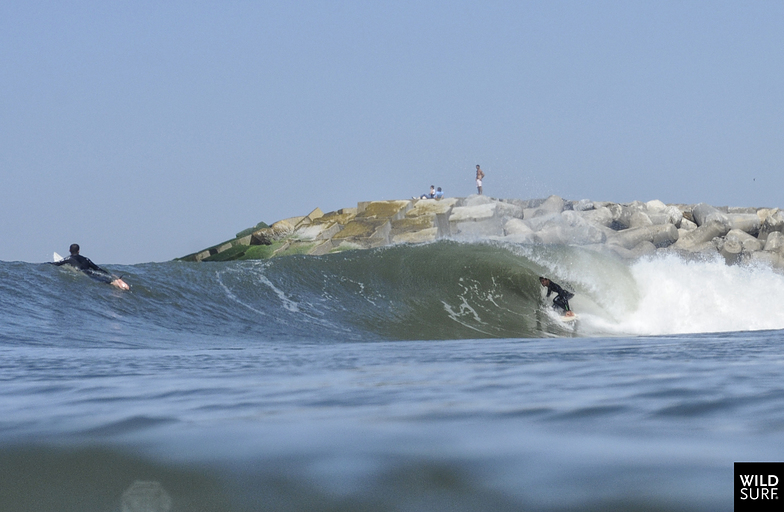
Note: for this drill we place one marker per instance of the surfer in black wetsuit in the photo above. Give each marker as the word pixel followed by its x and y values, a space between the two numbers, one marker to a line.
pixel 561 300
pixel 79 262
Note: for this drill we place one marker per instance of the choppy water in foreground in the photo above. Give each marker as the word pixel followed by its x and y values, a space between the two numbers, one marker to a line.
pixel 411 378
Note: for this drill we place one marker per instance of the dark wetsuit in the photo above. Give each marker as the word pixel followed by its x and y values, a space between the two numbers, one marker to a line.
pixel 88 267
pixel 562 296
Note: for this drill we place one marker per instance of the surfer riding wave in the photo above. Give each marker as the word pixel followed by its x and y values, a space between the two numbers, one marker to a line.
pixel 561 300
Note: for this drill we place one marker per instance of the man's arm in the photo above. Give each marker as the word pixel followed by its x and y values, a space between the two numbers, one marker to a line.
pixel 93 266
pixel 65 261
pixel 554 288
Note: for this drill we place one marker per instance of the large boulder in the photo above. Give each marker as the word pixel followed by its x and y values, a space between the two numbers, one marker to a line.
pixel 412 224
pixel 569 228
pixel 662 235
pixel 509 210
pixel 775 243
pixel 748 222
pixel 633 215
pixel 518 231
pixel 424 215
pixel 769 258
pixel 317 231
pixel 472 222
pixel 537 223
pixel 415 237
pixel 644 248
pixel 477 200
pixel 704 213
pixel 564 234
pixel 392 210
pixel 773 221
pixel 583 205
pixel 731 249
pixel 693 240
pixel 321 248
pixel 309 218
pixel 640 219
pixel 655 206
pixel 431 207
pixel 748 243
pixel 551 205
pixel 675 215
pixel 366 232
pixel 601 216
pixel 687 225
pixel 517 227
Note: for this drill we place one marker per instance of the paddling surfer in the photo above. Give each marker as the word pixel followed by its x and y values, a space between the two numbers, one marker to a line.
pixel 84 264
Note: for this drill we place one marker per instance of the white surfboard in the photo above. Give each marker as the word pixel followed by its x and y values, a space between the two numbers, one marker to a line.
pixel 568 318
pixel 57 258
pixel 119 283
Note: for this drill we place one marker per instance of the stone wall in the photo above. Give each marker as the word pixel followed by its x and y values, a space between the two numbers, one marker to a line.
pixel 624 230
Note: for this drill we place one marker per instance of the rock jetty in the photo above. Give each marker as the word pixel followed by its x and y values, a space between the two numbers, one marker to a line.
pixel 624 230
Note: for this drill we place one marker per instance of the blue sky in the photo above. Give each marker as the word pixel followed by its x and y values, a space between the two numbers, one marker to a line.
pixel 148 130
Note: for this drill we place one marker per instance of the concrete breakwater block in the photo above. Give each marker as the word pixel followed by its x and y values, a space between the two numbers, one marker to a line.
pixel 475 221
pixel 704 213
pixel 662 235
pixel 703 234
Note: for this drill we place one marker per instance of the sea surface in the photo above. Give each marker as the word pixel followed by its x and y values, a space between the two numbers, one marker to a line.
pixel 412 378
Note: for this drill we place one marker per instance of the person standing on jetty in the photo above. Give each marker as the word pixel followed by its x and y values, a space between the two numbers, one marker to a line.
pixel 479 176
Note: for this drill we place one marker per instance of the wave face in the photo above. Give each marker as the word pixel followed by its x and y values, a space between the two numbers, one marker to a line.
pixel 443 290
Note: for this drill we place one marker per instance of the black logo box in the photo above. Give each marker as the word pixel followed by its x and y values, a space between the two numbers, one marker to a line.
pixel 759 486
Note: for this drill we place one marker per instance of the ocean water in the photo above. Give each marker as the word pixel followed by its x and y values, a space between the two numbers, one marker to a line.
pixel 411 378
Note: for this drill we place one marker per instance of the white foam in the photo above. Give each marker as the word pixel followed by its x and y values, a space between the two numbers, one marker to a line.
pixel 675 296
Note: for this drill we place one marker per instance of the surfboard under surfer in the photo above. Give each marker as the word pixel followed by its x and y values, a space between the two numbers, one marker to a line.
pixel 561 300
pixel 84 264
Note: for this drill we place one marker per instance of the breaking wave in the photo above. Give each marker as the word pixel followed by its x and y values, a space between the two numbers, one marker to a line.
pixel 443 290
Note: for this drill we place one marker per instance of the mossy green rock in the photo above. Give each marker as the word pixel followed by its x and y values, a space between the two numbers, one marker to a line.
pixel 359 229
pixel 234 253
pixel 384 209
pixel 342 217
pixel 249 231
pixel 296 248
pixel 261 252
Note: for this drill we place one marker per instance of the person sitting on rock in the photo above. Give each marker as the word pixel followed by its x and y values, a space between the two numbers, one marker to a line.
pixel 431 194
pixel 561 300
pixel 439 193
